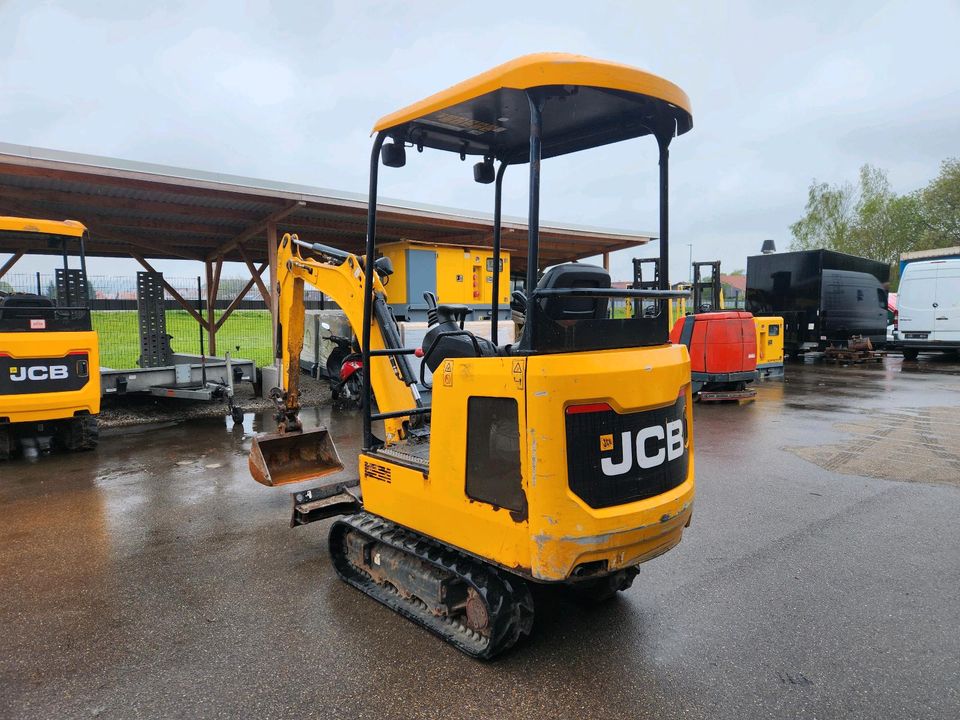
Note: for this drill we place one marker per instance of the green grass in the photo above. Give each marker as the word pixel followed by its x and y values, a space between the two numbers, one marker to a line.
pixel 246 334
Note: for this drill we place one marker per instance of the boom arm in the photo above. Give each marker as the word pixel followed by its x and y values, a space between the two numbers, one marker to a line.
pixel 340 276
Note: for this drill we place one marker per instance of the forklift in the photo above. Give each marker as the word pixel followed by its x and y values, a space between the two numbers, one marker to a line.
pixel 49 354
pixel 722 344
pixel 648 279
pixel 563 459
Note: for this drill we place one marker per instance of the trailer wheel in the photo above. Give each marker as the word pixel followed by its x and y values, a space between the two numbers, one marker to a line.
pixel 911 353
pixel 82 433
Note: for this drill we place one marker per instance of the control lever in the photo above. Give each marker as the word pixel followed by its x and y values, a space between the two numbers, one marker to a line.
pixel 431 300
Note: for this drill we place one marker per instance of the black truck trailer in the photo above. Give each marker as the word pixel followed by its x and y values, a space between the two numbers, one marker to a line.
pixel 824 297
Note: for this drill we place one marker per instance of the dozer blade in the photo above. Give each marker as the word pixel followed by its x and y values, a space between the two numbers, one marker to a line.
pixel 284 458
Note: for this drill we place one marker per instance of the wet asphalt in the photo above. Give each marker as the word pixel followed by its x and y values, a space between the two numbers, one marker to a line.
pixel 153 578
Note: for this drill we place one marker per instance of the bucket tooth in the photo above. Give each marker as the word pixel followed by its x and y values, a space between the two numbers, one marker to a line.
pixel 284 458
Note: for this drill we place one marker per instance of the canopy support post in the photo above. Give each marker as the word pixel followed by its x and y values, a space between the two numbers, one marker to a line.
pixel 663 142
pixel 533 214
pixel 368 289
pixel 497 210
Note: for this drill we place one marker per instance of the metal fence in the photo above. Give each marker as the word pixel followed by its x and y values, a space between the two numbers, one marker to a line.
pixel 245 334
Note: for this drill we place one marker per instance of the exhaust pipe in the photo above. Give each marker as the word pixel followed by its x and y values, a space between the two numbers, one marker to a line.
pixel 285 458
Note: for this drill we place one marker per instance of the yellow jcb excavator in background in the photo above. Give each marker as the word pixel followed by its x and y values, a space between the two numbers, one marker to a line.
pixel 565 458
pixel 49 355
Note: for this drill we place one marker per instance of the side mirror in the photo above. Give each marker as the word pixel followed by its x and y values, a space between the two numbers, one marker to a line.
pixel 393 154
pixel 483 172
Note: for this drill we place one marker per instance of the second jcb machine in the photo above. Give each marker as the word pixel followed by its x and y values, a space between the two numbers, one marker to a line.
pixel 49 354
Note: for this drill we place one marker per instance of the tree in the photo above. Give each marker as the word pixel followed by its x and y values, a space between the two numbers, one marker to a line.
pixel 941 207
pixel 828 220
pixel 872 221
pixel 6 287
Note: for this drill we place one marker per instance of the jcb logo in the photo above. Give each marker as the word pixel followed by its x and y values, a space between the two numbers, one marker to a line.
pixel 666 441
pixel 38 372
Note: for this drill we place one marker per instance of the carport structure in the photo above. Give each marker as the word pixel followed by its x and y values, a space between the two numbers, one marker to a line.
pixel 145 211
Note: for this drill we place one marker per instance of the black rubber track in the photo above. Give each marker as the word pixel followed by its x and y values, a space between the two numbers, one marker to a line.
pixel 6 444
pixel 81 433
pixel 508 601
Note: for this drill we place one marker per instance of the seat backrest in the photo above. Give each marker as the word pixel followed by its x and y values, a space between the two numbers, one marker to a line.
pixel 574 275
pixel 25 305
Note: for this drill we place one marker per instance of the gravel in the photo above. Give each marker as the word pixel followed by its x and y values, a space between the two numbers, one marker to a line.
pixel 128 410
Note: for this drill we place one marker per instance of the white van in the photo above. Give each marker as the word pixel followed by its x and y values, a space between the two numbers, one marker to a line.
pixel 928 307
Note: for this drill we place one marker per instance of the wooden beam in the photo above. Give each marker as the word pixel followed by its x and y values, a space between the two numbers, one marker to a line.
pixel 216 279
pixel 606 261
pixel 237 300
pixel 30 210
pixel 264 292
pixel 255 230
pixel 108 202
pixel 169 225
pixel 11 262
pixel 124 179
pixel 211 299
pixel 170 289
pixel 145 246
pixel 274 295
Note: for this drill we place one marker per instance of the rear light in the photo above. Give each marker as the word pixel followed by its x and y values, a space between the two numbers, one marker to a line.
pixel 591 408
pixel 605 407
pixel 896 320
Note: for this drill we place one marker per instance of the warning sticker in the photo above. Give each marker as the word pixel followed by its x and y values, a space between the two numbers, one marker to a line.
pixel 606 443
pixel 518 375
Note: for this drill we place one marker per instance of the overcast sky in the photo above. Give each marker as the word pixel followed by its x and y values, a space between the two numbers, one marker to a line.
pixel 289 91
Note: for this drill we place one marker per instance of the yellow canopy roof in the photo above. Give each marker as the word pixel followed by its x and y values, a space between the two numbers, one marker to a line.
pixel 587 103
pixel 68 228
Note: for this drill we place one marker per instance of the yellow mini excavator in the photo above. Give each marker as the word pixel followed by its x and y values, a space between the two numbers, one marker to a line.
pixel 49 361
pixel 565 458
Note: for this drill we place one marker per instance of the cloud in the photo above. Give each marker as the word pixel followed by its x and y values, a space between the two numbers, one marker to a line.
pixel 289 91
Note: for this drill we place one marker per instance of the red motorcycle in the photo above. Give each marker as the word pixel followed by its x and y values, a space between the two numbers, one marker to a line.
pixel 344 371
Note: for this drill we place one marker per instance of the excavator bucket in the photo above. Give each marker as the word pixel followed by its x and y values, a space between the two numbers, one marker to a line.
pixel 284 458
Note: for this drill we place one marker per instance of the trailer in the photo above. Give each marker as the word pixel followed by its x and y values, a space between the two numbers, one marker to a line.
pixel 161 372
pixel 824 297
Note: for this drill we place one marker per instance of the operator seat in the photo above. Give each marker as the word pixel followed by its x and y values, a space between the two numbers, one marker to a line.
pixel 443 319
pixel 574 275
pixel 26 306
pixel 566 310
pixel 446 338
